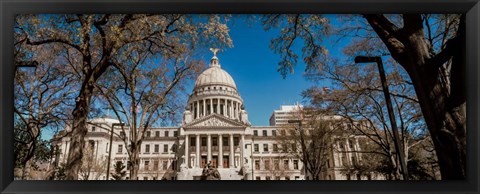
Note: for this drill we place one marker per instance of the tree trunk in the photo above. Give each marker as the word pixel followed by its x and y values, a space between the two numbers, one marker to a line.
pixel 135 162
pixel 444 123
pixel 79 131
pixel 442 104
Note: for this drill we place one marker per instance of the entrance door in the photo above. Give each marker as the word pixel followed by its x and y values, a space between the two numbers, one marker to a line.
pixel 225 162
pixel 203 162
pixel 214 161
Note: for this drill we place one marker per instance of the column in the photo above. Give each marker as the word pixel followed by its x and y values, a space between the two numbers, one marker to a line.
pixel 231 109
pixel 242 147
pixel 209 148
pixel 187 158
pixel 224 107
pixel 232 152
pixel 237 111
pixel 220 151
pixel 204 108
pixel 348 154
pixel 218 106
pixel 358 150
pixel 211 105
pixel 198 109
pixel 197 147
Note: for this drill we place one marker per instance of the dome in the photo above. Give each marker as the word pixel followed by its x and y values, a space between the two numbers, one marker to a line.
pixel 105 120
pixel 215 75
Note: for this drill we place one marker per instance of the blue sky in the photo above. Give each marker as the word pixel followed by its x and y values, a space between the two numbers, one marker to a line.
pixel 253 66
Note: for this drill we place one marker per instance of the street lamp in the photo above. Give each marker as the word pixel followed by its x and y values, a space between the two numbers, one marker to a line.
pixel 110 147
pixel 302 142
pixel 391 115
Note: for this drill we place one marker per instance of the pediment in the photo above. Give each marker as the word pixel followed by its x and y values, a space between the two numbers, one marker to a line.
pixel 214 121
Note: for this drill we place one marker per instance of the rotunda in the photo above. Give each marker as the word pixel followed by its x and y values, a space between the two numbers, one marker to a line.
pixel 215 92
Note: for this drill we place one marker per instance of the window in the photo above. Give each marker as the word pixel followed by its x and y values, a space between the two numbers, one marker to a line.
pixel 354 161
pixel 285 148
pixel 214 141
pixel 165 148
pixel 93 129
pixel 350 143
pixel 120 148
pixel 146 165
pixel 287 178
pixel 148 134
pixel 224 141
pixel 294 147
pixel 157 148
pixel 204 141
pixel 236 141
pixel 255 133
pixel 348 177
pixel 359 177
pixel 328 163
pixel 297 177
pixel 267 164
pixel 166 133
pixel 265 147
pixel 274 133
pixel 275 148
pixel 157 133
pixel 256 148
pixel 155 165
pixel 286 165
pixel 193 141
pixel 264 132
pixel 276 165
pixel 147 148
pixel 175 133
pixel 257 164
pixel 295 164
pixel 165 165
pixel 122 134
pixel 258 178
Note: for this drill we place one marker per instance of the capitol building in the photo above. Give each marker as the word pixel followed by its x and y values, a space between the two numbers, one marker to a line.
pixel 215 130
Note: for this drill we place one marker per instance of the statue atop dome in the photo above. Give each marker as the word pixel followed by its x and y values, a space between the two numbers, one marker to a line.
pixel 214 51
pixel 214 60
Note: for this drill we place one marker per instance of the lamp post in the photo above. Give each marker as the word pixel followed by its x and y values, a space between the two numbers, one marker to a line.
pixel 391 115
pixel 302 142
pixel 110 148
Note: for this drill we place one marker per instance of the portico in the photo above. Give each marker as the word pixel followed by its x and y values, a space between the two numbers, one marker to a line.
pixel 223 150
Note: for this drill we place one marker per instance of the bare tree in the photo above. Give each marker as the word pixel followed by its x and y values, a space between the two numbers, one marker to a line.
pixel 93 165
pixel 95 42
pixel 145 96
pixel 311 140
pixel 433 59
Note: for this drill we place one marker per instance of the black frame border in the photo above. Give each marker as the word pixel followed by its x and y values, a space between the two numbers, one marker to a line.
pixel 9 8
